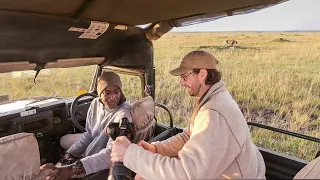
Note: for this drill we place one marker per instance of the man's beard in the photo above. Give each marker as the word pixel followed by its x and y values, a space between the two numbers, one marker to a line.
pixel 194 90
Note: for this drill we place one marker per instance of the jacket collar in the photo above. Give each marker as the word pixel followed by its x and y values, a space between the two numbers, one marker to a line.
pixel 216 88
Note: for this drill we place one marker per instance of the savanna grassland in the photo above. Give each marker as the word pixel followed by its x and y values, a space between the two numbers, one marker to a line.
pixel 274 77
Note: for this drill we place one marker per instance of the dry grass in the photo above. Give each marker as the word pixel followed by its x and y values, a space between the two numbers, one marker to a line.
pixel 274 77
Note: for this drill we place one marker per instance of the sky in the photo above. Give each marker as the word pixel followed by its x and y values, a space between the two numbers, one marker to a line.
pixel 293 15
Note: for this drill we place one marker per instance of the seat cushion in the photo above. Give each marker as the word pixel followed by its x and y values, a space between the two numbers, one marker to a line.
pixel 142 112
pixel 310 171
pixel 19 155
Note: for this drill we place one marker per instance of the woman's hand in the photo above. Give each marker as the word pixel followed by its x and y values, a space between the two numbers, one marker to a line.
pixel 67 159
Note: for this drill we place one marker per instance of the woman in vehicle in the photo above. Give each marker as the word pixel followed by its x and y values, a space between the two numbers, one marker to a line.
pixel 94 144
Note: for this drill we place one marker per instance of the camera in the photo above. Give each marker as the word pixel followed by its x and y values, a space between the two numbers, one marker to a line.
pixel 117 170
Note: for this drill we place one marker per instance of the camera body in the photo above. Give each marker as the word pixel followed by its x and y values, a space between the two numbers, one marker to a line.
pixel 126 128
pixel 118 171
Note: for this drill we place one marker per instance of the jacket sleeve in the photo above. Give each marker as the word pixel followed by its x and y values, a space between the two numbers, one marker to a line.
pixel 173 145
pixel 80 146
pixel 102 160
pixel 210 150
pixel 98 161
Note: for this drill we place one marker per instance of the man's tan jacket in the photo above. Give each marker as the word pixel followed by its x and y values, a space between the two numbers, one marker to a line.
pixel 218 145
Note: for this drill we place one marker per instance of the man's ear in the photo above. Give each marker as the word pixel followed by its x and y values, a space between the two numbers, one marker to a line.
pixel 203 73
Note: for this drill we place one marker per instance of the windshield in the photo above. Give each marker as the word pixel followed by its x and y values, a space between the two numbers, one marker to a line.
pixel 59 82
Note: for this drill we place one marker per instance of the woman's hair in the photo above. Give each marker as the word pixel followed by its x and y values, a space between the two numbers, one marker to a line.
pixel 213 76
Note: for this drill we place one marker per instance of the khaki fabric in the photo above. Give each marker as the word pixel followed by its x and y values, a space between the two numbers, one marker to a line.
pixel 19 155
pixel 310 171
pixel 142 112
pixel 43 174
pixel 197 59
pixel 131 12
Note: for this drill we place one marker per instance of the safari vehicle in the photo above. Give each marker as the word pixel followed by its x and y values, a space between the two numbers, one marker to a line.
pixel 39 35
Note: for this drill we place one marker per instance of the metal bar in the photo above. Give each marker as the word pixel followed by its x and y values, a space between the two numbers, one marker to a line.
pixel 125 70
pixel 93 85
pixel 133 72
pixel 314 139
pixel 153 82
pixel 170 115
pixel 150 77
pixel 143 84
pixel 83 8
pixel 150 26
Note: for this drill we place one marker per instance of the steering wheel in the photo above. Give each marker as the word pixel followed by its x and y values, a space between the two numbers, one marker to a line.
pixel 76 114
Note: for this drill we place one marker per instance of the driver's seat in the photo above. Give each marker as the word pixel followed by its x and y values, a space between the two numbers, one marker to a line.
pixel 20 158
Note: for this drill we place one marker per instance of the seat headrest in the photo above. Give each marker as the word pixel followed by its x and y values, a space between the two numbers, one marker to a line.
pixel 142 112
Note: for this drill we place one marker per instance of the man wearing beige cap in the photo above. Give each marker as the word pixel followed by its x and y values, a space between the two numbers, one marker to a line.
pixel 216 144
pixel 94 144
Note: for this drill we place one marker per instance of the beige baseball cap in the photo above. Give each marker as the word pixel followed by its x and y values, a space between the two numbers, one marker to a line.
pixel 197 59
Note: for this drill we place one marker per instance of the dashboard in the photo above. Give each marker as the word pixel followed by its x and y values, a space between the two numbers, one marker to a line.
pixel 49 120
pixel 39 120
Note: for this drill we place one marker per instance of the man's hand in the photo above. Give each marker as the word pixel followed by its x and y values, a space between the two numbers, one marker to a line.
pixel 138 177
pixel 149 147
pixel 119 148
pixel 44 172
pixel 58 173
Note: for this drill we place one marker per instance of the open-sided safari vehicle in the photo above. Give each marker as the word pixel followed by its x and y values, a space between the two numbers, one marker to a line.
pixel 40 35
